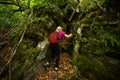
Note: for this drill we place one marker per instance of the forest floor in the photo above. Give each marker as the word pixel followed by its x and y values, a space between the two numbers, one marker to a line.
pixel 66 72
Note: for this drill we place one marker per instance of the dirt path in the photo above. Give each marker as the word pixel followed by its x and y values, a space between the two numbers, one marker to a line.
pixel 66 70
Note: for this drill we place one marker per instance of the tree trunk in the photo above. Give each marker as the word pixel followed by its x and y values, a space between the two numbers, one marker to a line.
pixel 77 42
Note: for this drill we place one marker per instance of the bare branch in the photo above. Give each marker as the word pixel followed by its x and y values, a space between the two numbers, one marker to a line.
pixel 103 9
pixel 73 12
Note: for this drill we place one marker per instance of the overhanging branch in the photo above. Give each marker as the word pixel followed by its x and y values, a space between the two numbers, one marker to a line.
pixel 8 2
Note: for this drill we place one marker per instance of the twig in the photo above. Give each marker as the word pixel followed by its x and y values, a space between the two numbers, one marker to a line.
pixel 103 9
pixel 73 12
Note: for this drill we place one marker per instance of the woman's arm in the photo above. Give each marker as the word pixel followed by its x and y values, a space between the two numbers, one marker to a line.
pixel 68 36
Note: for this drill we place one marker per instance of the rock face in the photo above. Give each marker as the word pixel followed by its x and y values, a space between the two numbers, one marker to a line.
pixel 42 47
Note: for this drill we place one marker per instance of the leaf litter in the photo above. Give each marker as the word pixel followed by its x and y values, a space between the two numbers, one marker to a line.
pixel 67 71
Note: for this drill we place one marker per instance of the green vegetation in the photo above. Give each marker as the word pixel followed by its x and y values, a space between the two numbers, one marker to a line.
pixel 94 47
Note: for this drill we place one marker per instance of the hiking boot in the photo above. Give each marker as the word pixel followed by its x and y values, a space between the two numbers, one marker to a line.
pixel 46 65
pixel 57 68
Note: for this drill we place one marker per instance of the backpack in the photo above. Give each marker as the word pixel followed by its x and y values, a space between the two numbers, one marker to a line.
pixel 53 38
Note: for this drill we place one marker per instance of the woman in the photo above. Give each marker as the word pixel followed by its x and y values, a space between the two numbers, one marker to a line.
pixel 54 48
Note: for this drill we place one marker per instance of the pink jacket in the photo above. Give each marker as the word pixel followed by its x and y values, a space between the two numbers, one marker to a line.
pixel 60 35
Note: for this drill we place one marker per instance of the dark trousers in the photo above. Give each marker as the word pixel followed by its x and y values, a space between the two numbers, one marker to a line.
pixel 55 53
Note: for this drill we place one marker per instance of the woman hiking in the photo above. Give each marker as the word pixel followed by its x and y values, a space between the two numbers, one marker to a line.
pixel 54 47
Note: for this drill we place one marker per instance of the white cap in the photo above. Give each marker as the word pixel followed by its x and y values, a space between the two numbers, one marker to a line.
pixel 59 28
